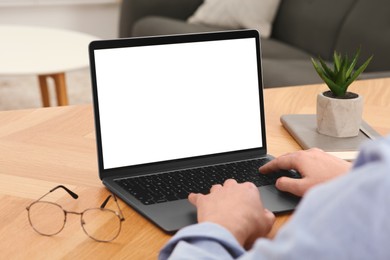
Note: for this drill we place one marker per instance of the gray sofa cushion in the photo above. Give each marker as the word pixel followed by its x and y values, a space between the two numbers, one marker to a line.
pixel 279 73
pixel 147 26
pixel 372 32
pixel 271 48
pixel 133 10
pixel 311 25
pixel 274 49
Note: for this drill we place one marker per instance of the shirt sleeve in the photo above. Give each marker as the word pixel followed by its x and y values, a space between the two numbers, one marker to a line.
pixel 202 241
pixel 347 218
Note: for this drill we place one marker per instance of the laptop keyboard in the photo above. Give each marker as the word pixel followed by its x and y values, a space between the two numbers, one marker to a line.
pixel 176 185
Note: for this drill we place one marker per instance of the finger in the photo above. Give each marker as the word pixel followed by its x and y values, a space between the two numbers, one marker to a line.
pixel 215 187
pixel 285 162
pixel 269 215
pixel 291 185
pixel 315 149
pixel 250 185
pixel 193 198
pixel 229 182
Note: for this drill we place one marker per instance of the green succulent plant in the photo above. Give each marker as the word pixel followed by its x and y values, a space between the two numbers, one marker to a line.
pixel 343 73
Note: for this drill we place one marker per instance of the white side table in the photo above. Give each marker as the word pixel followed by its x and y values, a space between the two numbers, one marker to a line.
pixel 46 52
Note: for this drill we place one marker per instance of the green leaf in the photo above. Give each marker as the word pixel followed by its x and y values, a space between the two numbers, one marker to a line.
pixel 328 71
pixel 335 88
pixel 336 59
pixel 321 72
pixel 353 64
pixel 340 76
pixel 332 86
pixel 358 71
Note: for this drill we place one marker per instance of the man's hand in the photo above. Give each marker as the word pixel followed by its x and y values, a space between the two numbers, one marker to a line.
pixel 314 165
pixel 237 207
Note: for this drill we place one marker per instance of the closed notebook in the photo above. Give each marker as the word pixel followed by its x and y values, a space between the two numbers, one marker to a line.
pixel 303 128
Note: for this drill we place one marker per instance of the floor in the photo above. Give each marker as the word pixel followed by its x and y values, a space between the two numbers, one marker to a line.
pixel 22 92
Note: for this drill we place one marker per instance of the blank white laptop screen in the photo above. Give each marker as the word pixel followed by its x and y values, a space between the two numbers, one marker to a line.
pixel 173 101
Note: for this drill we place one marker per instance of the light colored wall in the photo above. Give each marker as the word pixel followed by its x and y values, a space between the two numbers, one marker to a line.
pixel 96 17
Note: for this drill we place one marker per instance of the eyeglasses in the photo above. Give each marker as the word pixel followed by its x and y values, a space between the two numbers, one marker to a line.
pixel 49 218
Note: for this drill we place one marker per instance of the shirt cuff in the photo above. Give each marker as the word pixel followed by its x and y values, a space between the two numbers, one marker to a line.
pixel 209 238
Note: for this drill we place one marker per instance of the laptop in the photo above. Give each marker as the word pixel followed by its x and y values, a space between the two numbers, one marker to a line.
pixel 176 114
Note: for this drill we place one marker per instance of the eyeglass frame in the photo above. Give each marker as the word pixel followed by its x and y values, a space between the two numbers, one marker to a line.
pixel 75 196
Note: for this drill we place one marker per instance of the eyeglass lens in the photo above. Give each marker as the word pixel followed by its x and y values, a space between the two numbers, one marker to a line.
pixel 101 224
pixel 46 218
pixel 49 219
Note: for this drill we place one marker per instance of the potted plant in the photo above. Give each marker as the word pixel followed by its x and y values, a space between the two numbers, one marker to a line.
pixel 339 112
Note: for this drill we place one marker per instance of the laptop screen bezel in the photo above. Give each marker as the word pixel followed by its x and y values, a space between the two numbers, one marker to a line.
pixel 183 162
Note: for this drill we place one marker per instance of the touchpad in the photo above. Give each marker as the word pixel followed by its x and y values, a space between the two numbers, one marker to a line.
pixel 277 201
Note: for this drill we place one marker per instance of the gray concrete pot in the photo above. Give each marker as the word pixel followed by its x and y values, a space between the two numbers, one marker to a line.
pixel 339 117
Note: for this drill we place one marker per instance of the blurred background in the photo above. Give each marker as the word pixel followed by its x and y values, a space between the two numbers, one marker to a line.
pixel 94 17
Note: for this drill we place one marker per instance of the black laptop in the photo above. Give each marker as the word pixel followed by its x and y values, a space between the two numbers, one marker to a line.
pixel 176 114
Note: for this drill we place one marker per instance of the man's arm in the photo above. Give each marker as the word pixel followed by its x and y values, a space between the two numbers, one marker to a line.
pixel 344 219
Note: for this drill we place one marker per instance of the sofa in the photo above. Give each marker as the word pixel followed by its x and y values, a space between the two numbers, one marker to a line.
pixel 301 29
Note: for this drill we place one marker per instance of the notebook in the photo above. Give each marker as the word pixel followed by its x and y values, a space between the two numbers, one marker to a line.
pixel 303 128
pixel 176 114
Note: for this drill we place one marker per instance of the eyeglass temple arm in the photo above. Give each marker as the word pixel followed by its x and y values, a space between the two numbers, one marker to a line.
pixel 116 202
pixel 71 193
pixel 105 202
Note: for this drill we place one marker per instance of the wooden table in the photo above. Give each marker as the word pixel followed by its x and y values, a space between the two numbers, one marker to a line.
pixel 46 52
pixel 45 147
